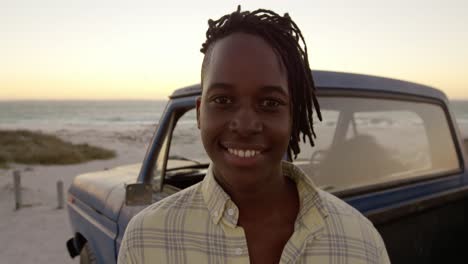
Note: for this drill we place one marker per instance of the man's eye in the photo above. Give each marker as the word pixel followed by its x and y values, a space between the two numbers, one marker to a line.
pixel 270 103
pixel 222 100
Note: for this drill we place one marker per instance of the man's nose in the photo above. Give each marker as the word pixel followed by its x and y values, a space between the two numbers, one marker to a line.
pixel 246 121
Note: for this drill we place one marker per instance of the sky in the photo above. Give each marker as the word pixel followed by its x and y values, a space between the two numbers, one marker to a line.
pixel 111 49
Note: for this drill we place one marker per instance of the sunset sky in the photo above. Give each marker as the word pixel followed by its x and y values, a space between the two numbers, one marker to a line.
pixel 110 49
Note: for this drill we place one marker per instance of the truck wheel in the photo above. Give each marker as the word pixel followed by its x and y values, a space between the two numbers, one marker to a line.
pixel 86 255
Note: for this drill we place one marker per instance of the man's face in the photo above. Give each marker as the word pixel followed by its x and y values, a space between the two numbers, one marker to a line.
pixel 244 113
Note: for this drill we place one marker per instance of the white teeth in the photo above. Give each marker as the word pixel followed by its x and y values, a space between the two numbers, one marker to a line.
pixel 244 153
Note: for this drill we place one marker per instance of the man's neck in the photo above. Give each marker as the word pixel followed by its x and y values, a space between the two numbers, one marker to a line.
pixel 261 193
pixel 270 200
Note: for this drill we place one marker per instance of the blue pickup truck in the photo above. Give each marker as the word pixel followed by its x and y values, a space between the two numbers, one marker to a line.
pixel 389 148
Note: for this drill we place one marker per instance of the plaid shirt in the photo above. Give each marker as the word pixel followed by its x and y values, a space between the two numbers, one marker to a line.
pixel 199 225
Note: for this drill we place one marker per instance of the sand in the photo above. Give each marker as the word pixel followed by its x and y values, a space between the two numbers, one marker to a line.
pixel 37 233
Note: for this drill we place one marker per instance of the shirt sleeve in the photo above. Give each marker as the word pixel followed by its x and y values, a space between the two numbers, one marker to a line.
pixel 384 259
pixel 126 254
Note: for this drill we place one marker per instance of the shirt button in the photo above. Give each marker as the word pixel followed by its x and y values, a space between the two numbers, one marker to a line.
pixel 231 212
pixel 238 251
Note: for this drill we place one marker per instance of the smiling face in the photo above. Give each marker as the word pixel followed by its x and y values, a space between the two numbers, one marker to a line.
pixel 244 113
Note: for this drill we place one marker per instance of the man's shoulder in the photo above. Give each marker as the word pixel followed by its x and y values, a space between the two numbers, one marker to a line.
pixel 339 208
pixel 187 201
pixel 159 228
pixel 347 235
pixel 343 218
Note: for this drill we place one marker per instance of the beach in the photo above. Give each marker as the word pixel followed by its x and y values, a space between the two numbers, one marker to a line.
pixel 37 233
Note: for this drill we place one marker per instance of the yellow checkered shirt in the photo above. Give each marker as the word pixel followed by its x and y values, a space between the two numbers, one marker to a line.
pixel 199 225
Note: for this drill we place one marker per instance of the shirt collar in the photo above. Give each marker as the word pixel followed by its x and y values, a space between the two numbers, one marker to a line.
pixel 214 196
pixel 312 212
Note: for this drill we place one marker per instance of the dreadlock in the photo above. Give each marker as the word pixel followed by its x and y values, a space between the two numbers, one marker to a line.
pixel 283 35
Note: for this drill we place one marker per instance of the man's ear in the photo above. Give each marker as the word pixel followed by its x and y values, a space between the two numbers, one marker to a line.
pixel 198 111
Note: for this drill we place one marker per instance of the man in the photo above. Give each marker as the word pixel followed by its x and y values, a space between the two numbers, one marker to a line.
pixel 257 98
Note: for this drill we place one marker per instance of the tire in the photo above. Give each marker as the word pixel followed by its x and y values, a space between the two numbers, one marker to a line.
pixel 86 255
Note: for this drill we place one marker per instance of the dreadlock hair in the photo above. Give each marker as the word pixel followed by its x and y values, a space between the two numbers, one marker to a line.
pixel 283 35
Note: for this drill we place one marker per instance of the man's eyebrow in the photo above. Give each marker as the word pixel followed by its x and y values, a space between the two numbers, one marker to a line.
pixel 263 89
pixel 274 89
pixel 219 85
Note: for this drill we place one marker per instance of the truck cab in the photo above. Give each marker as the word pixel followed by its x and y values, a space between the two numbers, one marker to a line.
pixel 389 148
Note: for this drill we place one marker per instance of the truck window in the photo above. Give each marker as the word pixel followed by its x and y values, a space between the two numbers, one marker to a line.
pixel 186 146
pixel 376 141
pixel 309 157
pixel 186 160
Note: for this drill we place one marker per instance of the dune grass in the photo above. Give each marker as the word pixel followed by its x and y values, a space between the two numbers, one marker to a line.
pixel 27 147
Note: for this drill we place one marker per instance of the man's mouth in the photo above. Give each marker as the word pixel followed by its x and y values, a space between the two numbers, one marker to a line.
pixel 243 153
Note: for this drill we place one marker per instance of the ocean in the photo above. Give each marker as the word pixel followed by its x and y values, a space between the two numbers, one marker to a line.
pixel 78 114
pixel 54 115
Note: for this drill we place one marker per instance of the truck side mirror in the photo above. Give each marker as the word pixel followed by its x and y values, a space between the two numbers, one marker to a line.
pixel 138 194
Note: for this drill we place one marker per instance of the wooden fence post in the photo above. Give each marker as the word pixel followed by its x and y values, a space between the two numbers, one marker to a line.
pixel 17 189
pixel 60 194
